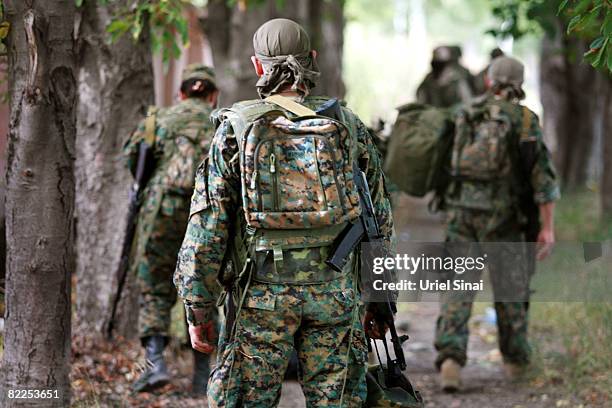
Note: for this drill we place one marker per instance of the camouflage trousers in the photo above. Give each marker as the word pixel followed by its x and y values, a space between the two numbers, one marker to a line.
pixel 452 330
pixel 321 321
pixel 161 239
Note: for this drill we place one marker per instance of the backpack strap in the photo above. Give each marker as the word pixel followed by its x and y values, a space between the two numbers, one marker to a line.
pixel 149 131
pixel 527 145
pixel 290 105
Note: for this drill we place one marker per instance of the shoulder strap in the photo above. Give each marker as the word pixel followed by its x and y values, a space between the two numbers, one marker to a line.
pixel 242 114
pixel 149 133
pixel 290 105
pixel 526 125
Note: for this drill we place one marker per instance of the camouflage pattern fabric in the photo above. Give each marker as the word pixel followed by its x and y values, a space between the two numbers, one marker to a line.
pixel 217 231
pixel 182 136
pixel 317 321
pixel 482 162
pixel 297 173
pixel 452 85
pixel 452 326
pixel 501 222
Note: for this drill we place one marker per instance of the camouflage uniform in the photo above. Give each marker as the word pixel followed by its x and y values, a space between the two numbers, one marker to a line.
pixel 182 136
pixel 449 83
pixel 504 224
pixel 315 312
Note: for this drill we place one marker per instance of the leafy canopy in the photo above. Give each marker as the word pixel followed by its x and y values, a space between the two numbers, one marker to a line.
pixel 587 19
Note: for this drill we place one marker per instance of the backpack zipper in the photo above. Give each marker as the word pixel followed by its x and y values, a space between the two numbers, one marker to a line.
pixel 325 141
pixel 274 181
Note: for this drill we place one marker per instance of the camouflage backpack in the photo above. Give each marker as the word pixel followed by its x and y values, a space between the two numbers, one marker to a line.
pixel 296 174
pixel 418 146
pixel 184 146
pixel 480 163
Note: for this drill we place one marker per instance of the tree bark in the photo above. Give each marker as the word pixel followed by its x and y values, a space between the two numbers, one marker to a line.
pixel 40 199
pixel 115 88
pixel 232 48
pixel 572 113
pixel 606 179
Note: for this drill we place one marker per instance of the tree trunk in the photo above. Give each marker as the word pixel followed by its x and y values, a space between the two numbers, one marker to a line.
pixel 572 115
pixel 232 43
pixel 328 40
pixel 606 180
pixel 115 88
pixel 40 199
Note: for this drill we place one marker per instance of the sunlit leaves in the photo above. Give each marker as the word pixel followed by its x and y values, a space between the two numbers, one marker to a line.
pixel 592 19
pixel 167 23
pixel 588 19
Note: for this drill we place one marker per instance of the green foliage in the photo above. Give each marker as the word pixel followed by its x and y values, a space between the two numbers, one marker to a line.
pixel 166 21
pixel 592 19
pixel 587 19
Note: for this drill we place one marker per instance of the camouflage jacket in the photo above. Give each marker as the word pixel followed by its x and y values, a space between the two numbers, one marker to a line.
pixel 215 217
pixel 453 85
pixel 182 137
pixel 525 123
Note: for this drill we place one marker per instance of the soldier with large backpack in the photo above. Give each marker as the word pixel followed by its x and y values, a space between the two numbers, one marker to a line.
pixel 448 83
pixel 176 140
pixel 501 188
pixel 277 189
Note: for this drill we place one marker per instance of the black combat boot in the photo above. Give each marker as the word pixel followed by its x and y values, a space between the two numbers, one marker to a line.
pixel 156 374
pixel 201 372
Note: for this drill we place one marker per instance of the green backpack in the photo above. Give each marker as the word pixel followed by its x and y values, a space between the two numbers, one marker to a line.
pixel 480 164
pixel 418 148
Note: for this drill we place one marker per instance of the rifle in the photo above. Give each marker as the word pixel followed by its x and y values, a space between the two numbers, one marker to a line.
pixel 365 229
pixel 144 169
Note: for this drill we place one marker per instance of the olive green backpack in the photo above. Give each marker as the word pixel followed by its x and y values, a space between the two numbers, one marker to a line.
pixel 419 146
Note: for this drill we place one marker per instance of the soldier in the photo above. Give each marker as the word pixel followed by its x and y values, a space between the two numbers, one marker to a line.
pixel 182 135
pixel 488 200
pixel 480 86
pixel 449 82
pixel 273 196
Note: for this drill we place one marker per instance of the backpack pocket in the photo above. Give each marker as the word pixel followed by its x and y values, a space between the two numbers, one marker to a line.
pixel 481 152
pixel 295 174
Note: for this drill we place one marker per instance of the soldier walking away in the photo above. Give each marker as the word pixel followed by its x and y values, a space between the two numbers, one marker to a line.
pixel 480 85
pixel 496 194
pixel 448 83
pixel 179 138
pixel 276 193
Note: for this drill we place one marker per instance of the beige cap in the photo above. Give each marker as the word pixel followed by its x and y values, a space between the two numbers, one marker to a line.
pixel 506 71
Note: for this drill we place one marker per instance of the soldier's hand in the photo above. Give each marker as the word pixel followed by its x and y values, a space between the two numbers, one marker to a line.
pixel 546 241
pixel 203 337
pixel 372 326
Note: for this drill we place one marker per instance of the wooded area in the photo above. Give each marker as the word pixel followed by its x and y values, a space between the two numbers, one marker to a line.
pixel 75 96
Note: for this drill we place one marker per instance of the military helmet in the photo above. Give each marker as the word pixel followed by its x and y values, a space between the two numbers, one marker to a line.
pixel 198 71
pixel 506 71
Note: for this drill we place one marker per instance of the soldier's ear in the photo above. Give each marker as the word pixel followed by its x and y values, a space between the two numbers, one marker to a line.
pixel 257 65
